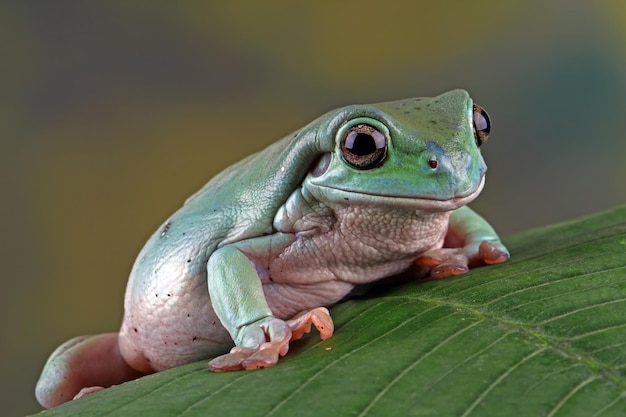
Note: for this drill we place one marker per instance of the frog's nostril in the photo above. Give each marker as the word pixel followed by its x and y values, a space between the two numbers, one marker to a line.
pixel 433 162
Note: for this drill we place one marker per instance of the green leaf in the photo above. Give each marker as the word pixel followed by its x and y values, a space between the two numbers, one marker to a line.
pixel 543 335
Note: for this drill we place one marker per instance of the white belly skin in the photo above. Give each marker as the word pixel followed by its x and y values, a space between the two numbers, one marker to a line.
pixel 171 326
pixel 168 318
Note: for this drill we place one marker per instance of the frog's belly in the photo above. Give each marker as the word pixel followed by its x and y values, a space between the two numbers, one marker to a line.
pixel 170 322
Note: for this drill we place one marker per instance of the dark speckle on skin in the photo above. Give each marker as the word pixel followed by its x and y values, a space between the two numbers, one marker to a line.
pixel 193 339
pixel 166 228
pixel 432 122
pixel 135 329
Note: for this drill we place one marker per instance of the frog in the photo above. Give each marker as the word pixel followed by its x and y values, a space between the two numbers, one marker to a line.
pixel 251 262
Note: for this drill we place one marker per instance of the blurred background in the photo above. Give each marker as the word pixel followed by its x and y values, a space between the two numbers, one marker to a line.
pixel 112 113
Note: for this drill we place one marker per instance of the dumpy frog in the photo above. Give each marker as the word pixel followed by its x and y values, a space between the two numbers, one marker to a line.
pixel 251 261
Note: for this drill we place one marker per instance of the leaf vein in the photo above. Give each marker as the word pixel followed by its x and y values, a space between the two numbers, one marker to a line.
pixel 609 405
pixel 552 282
pixel 467 359
pixel 558 344
pixel 208 397
pixel 499 380
pixel 561 294
pixel 399 376
pixel 569 395
pixel 151 392
pixel 580 309
pixel 597 331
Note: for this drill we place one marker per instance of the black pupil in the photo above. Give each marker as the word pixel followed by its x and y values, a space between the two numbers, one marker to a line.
pixel 361 144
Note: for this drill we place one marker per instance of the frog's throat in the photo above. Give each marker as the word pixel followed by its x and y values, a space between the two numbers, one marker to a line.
pixel 341 196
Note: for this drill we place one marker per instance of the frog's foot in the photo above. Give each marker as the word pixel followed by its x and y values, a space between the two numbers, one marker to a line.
pixel 88 390
pixel 447 262
pixel 319 317
pixel 267 339
pixel 260 344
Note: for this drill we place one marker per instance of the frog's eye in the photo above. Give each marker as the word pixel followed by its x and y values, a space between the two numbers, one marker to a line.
pixel 482 125
pixel 363 147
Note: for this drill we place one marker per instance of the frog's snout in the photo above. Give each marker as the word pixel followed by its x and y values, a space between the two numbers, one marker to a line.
pixel 452 174
pixel 435 160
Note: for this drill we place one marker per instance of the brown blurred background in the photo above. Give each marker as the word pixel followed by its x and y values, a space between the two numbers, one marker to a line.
pixel 111 114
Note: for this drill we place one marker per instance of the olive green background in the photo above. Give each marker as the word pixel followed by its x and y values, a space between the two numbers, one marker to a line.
pixel 111 114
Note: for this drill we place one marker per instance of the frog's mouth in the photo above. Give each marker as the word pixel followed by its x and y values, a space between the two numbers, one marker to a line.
pixel 342 196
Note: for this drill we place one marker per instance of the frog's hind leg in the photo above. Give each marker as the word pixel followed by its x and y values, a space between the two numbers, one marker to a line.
pixel 82 365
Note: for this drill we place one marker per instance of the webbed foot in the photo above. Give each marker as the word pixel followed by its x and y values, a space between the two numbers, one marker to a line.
pixel 267 339
pixel 447 262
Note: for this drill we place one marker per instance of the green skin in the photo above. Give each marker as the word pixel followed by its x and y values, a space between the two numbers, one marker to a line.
pixel 252 258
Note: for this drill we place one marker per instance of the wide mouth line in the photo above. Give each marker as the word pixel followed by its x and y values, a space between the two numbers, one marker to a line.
pixel 417 198
pixel 394 197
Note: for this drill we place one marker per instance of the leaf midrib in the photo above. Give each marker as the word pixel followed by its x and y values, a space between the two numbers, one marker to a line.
pixel 542 338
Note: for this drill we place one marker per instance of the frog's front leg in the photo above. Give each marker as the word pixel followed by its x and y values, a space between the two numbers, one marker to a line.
pixel 238 299
pixel 470 241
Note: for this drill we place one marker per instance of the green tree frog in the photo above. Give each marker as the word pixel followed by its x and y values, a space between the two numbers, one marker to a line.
pixel 251 261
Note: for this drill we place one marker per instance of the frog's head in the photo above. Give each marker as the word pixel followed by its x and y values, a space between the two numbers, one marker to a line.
pixel 420 153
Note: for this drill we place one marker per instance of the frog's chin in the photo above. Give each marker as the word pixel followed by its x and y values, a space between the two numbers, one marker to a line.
pixel 345 197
